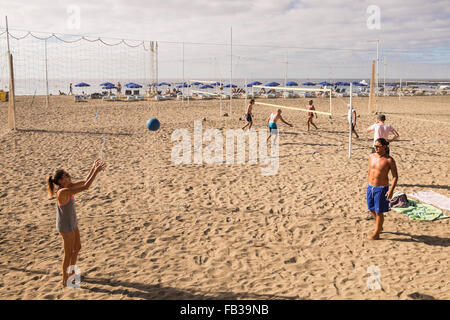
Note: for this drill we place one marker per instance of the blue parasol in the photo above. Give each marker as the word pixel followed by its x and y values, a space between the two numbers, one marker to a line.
pixel 292 84
pixel 133 85
pixel 82 84
pixel 272 84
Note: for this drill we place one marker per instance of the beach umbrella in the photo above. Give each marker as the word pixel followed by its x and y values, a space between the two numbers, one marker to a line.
pixel 109 87
pixel 196 83
pixel 324 83
pixel 206 86
pixel 82 84
pixel 183 85
pixel 254 83
pixel 272 84
pixel 292 84
pixel 133 85
pixel 164 84
pixel 308 83
pixel 106 84
pixel 232 85
pixel 216 84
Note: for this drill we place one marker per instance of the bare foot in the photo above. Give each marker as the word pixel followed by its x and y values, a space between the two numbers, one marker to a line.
pixel 64 282
pixel 373 237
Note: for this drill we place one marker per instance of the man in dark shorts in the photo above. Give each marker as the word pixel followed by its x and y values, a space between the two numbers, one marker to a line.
pixel 249 115
pixel 378 192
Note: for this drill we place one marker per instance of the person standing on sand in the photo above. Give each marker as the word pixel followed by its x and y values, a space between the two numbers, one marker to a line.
pixel 119 88
pixel 272 122
pixel 311 114
pixel 66 218
pixel 382 130
pixel 70 89
pixel 249 115
pixel 352 118
pixel 378 192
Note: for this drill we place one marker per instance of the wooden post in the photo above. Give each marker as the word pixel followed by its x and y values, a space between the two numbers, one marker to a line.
pixel 372 80
pixel 12 98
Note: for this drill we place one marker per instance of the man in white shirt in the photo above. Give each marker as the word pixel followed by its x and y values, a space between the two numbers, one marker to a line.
pixel 382 130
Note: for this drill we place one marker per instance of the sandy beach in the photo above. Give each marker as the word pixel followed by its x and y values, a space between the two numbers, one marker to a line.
pixel 154 230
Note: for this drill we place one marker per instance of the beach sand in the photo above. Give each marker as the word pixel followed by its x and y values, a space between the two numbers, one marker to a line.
pixel 154 230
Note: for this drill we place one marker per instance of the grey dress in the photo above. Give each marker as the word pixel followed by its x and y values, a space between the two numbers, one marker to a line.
pixel 66 217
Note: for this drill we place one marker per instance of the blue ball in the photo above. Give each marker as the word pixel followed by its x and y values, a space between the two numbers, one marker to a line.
pixel 153 124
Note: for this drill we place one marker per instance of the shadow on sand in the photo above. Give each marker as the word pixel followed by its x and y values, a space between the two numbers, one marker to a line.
pixel 424 186
pixel 155 291
pixel 75 132
pixel 428 240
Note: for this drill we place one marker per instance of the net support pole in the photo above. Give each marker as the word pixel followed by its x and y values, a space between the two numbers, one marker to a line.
pixel 372 80
pixel 399 89
pixel 46 77
pixel 350 117
pixel 12 96
pixel 182 66
pixel 245 86
pixel 231 73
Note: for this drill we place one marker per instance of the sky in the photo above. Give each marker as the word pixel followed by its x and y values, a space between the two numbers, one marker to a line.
pixel 317 39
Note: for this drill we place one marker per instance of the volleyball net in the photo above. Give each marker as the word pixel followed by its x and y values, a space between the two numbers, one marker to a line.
pixel 329 91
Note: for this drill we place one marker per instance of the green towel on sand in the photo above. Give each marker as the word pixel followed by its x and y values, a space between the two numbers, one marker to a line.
pixel 421 211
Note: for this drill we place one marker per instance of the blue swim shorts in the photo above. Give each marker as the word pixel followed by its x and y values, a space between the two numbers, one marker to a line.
pixel 272 126
pixel 376 199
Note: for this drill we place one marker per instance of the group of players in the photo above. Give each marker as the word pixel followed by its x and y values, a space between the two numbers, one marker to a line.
pixel 378 192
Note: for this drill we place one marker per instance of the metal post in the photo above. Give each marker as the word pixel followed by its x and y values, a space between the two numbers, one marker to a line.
pixel 46 77
pixel 231 74
pixel 384 81
pixel 182 63
pixel 12 97
pixel 350 116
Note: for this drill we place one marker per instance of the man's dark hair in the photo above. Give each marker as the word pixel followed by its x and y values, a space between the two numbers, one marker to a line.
pixel 383 141
pixel 252 101
pixel 382 117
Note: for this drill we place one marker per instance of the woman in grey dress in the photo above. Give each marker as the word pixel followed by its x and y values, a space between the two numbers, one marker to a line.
pixel 66 218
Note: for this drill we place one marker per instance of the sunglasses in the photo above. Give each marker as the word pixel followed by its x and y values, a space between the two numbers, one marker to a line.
pixel 66 175
pixel 377 147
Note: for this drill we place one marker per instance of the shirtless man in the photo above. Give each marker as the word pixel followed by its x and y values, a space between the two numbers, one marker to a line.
pixel 311 114
pixel 249 115
pixel 378 192
pixel 272 122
